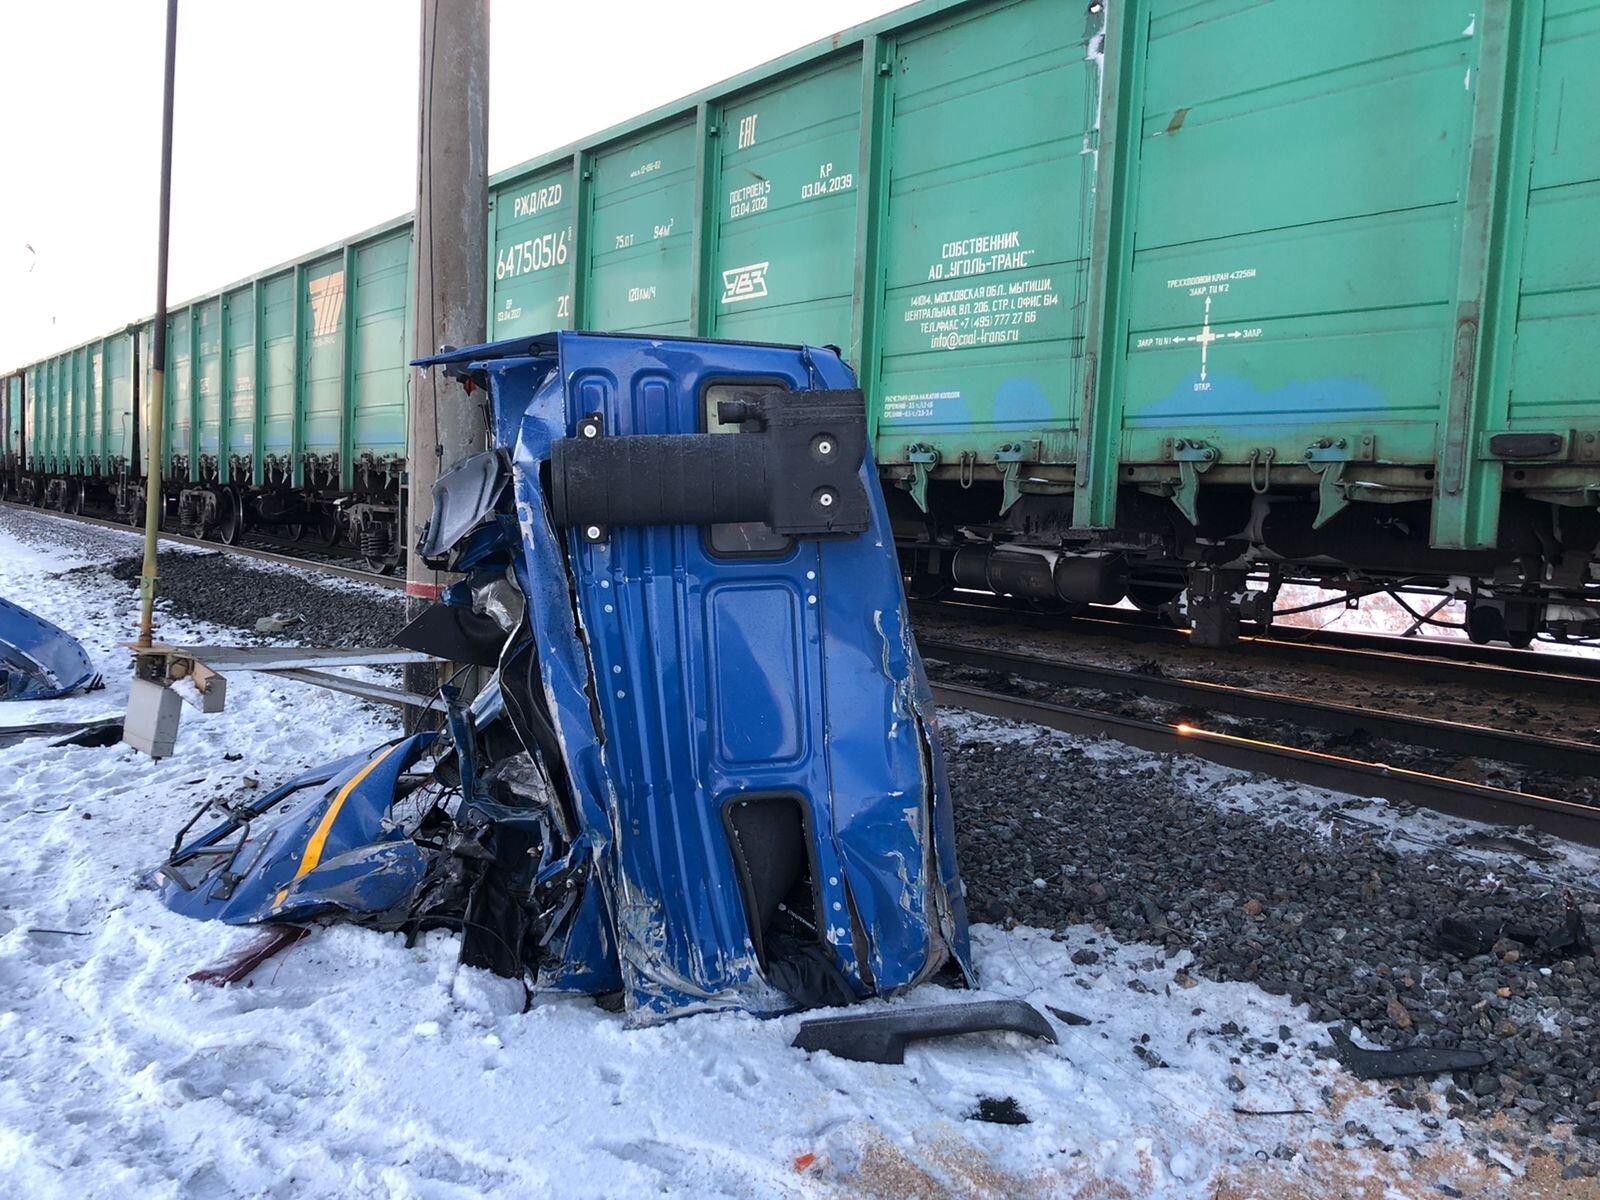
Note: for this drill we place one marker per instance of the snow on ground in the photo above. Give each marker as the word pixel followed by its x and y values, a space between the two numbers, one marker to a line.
pixel 355 1066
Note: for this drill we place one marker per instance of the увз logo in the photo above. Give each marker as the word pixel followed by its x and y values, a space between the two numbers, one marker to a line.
pixel 326 296
pixel 744 283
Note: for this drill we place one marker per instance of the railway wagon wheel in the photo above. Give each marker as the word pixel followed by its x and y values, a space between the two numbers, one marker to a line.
pixel 74 500
pixel 230 517
pixel 136 517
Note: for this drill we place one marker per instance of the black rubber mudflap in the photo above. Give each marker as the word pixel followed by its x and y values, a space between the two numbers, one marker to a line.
pixel 454 634
pixel 881 1037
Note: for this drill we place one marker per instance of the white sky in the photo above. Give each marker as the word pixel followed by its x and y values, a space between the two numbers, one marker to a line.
pixel 296 127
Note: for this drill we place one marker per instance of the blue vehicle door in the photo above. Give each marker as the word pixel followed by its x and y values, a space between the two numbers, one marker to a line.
pixel 779 833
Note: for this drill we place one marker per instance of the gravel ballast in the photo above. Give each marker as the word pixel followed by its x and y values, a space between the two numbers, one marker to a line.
pixel 1262 883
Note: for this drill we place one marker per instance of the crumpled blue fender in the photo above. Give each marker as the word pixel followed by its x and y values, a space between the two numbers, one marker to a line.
pixel 322 843
pixel 39 660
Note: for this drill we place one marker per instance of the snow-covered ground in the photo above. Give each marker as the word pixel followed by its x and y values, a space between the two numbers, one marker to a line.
pixel 354 1066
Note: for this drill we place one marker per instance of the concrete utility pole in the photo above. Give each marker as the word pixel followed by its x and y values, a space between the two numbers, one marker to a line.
pixel 451 244
pixel 155 408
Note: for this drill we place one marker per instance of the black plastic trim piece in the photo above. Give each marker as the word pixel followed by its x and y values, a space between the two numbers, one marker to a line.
pixel 882 1037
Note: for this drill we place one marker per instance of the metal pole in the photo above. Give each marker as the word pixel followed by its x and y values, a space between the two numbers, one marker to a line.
pixel 155 410
pixel 452 249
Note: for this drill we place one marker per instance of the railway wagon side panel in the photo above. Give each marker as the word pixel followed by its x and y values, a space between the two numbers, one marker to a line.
pixel 90 419
pixel 118 375
pixel 783 185
pixel 33 417
pixel 207 367
pixel 54 410
pixel 1554 383
pixel 1303 295
pixel 985 235
pixel 276 420
pixel 378 376
pixel 238 404
pixel 641 225
pixel 321 362
pixel 11 417
pixel 534 255
pixel 99 399
pixel 75 413
pixel 179 394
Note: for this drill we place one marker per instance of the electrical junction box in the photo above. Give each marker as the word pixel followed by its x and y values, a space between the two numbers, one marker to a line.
pixel 152 722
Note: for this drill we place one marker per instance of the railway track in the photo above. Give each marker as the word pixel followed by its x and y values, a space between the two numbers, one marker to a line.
pixel 1411 660
pixel 1570 819
pixel 258 552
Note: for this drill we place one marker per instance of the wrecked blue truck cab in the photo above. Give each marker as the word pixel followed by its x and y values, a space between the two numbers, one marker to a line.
pixel 706 772
pixel 40 660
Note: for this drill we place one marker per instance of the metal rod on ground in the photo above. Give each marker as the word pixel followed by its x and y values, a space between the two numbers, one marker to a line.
pixel 452 249
pixel 155 408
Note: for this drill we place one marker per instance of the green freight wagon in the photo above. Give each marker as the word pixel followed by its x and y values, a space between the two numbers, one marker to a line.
pixel 286 398
pixel 1149 295
pixel 1149 298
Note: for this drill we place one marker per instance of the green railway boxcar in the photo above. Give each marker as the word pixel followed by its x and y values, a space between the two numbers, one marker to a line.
pixel 1144 294
pixel 1156 282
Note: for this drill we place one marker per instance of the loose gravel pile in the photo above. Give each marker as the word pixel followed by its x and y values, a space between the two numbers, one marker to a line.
pixel 1054 831
pixel 228 590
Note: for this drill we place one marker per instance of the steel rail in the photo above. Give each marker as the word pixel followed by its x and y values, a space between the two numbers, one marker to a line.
pixel 1547 675
pixel 287 560
pixel 1144 626
pixel 1475 801
pixel 1455 737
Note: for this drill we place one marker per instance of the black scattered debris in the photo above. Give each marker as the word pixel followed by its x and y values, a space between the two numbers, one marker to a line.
pixel 1149 1058
pixel 1409 1060
pixel 100 731
pixel 999 1110
pixel 1489 839
pixel 1272 1112
pixel 1066 1017
pixel 104 732
pixel 1469 938
pixel 882 1036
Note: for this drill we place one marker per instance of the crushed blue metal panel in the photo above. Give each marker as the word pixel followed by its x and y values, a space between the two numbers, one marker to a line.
pixel 707 777
pixel 325 842
pixel 39 660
